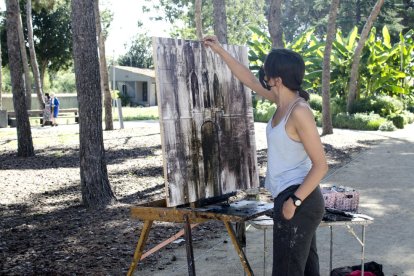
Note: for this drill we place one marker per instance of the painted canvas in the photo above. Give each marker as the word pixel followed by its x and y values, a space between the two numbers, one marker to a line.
pixel 206 119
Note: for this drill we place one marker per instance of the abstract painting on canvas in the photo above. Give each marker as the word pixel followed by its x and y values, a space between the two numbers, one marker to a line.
pixel 206 119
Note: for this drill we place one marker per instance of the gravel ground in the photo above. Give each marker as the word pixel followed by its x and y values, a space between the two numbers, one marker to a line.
pixel 45 230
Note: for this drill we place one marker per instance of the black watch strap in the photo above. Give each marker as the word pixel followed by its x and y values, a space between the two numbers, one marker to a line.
pixel 296 201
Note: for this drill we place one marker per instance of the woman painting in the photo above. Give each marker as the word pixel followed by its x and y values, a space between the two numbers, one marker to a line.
pixel 296 159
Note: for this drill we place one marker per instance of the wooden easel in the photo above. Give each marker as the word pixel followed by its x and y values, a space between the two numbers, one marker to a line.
pixel 239 212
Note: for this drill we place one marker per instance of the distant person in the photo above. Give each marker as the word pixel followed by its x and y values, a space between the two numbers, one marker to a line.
pixel 46 110
pixel 54 103
pixel 296 159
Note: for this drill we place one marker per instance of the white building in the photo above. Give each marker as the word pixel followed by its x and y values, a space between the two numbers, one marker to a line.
pixel 137 83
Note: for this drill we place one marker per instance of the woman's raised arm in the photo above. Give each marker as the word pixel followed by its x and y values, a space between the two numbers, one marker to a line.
pixel 239 70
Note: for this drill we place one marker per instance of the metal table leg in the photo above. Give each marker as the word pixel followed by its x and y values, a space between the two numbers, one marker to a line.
pixel 330 249
pixel 363 250
pixel 264 251
pixel 189 247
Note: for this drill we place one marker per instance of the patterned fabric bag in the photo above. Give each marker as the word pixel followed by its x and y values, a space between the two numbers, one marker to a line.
pixel 341 198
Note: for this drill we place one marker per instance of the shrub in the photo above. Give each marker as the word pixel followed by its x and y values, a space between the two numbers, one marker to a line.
pixel 360 121
pixel 125 100
pixel 341 120
pixel 264 111
pixel 386 105
pixel 397 120
pixel 318 117
pixel 338 105
pixel 315 102
pixel 387 126
pixel 382 105
pixel 363 105
pixel 254 101
pixel 63 82
pixel 408 117
pixel 114 94
pixel 409 103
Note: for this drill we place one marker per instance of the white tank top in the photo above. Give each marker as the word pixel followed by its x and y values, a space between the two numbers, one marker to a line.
pixel 287 161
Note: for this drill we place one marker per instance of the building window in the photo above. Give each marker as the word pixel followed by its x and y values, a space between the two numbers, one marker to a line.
pixel 124 89
pixel 145 91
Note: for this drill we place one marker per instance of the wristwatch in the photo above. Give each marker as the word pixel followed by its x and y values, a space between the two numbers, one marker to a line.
pixel 296 201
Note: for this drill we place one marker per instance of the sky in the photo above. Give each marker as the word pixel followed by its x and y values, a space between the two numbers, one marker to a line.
pixel 126 14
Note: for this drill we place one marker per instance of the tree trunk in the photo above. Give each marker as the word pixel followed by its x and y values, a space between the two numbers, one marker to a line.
pixel 109 125
pixel 220 20
pixel 357 55
pixel 24 134
pixel 198 19
pixel 33 59
pixel 1 82
pixel 274 19
pixel 326 74
pixel 27 81
pixel 43 68
pixel 96 190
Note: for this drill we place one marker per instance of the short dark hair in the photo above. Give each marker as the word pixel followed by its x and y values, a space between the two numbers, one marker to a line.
pixel 289 66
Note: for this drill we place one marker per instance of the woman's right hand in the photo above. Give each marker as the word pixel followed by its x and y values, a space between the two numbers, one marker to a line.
pixel 212 42
pixel 238 69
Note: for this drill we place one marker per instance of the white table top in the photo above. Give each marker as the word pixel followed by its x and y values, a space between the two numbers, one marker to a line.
pixel 266 222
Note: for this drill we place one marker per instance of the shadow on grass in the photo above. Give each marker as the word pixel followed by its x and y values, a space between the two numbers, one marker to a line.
pixel 65 157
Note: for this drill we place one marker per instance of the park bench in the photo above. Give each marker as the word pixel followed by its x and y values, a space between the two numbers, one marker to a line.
pixel 38 114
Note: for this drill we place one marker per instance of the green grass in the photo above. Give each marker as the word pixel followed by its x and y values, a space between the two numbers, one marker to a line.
pixel 136 113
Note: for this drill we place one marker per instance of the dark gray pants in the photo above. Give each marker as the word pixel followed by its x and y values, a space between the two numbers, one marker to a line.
pixel 294 241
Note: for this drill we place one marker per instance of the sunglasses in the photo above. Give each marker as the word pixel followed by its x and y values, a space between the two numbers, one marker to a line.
pixel 263 79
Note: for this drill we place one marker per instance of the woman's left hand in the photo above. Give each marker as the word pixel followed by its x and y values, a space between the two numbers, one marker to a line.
pixel 288 209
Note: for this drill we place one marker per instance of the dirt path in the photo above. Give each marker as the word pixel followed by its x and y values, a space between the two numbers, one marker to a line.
pixel 44 229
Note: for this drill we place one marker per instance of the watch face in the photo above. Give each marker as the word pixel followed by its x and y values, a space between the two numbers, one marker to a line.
pixel 298 202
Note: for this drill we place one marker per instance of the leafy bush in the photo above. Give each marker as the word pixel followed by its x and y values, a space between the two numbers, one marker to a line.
pixel 338 105
pixel 387 126
pixel 264 111
pixel 254 100
pixel 341 120
pixel 114 94
pixel 63 82
pixel 397 120
pixel 385 69
pixel 315 102
pixel 408 117
pixel 410 104
pixel 363 105
pixel 125 100
pixel 360 121
pixel 318 117
pixel 6 81
pixel 382 105
pixel 386 105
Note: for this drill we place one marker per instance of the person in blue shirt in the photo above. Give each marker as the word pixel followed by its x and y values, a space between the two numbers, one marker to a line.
pixel 54 103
